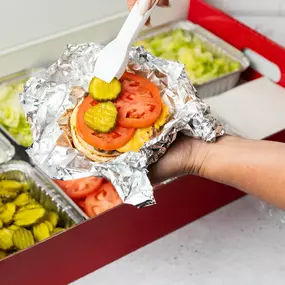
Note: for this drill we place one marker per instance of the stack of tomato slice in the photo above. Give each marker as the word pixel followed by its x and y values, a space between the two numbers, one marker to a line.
pixel 139 106
pixel 94 195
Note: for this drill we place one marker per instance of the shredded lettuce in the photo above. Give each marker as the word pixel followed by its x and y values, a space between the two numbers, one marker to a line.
pixel 12 116
pixel 201 64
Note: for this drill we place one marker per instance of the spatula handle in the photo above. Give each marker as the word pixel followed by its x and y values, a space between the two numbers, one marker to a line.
pixel 135 22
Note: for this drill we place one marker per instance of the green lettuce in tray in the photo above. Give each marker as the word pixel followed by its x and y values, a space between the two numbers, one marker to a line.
pixel 12 116
pixel 201 64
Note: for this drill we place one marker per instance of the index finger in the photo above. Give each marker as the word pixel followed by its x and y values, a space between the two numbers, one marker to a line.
pixel 131 4
pixel 161 3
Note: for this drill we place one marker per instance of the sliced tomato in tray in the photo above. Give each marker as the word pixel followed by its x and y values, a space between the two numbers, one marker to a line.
pixel 139 104
pixel 80 188
pixel 102 200
pixel 81 203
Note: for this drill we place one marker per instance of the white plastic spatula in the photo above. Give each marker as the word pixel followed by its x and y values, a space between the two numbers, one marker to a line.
pixel 113 59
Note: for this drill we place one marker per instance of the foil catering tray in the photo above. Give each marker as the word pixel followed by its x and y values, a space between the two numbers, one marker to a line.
pixel 44 191
pixel 215 45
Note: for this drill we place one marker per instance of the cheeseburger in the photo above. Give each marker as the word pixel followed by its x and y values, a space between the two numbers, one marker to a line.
pixel 113 118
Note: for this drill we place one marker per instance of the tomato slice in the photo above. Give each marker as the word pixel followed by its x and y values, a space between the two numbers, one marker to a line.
pixel 110 141
pixel 81 203
pixel 139 104
pixel 102 200
pixel 80 188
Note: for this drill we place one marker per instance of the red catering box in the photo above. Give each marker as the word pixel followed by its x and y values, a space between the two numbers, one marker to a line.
pixel 99 241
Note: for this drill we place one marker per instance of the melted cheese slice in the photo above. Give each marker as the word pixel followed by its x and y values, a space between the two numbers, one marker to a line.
pixel 163 118
pixel 141 136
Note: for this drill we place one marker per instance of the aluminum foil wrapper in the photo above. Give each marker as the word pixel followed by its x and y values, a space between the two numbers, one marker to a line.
pixel 48 96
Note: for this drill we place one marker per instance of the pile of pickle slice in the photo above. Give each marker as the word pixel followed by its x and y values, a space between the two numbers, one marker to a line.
pixel 23 221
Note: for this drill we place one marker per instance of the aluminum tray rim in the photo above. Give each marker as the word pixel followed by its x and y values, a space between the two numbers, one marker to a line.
pixel 24 73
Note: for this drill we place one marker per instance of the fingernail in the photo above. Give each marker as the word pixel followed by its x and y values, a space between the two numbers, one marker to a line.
pixel 164 5
pixel 148 24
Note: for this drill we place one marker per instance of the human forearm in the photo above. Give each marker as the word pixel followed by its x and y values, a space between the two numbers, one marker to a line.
pixel 255 167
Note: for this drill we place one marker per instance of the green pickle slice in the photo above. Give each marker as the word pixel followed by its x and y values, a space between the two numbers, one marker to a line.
pixel 22 200
pixel 23 238
pixel 41 232
pixel 2 254
pixel 53 218
pixel 102 91
pixel 11 185
pixel 27 217
pixel 49 226
pixel 30 206
pixel 101 118
pixel 6 241
pixel 7 195
pixel 9 189
pixel 2 208
pixel 7 215
pixel 13 228
pixel 57 230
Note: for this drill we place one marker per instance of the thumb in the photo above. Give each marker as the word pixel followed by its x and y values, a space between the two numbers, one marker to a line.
pixel 131 3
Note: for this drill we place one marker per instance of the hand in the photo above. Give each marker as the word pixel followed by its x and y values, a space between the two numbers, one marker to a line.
pixel 161 3
pixel 185 156
pixel 255 167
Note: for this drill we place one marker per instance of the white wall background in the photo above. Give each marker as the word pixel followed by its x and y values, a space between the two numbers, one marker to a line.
pixel 34 32
pixel 266 16
pixel 251 7
pixel 34 19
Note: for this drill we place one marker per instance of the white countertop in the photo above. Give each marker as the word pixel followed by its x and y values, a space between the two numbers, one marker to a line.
pixel 238 244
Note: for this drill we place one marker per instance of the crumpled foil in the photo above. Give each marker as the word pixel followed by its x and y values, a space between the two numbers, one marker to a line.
pixel 48 96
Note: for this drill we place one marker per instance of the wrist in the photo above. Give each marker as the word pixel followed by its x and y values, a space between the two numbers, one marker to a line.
pixel 199 154
pixel 205 155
